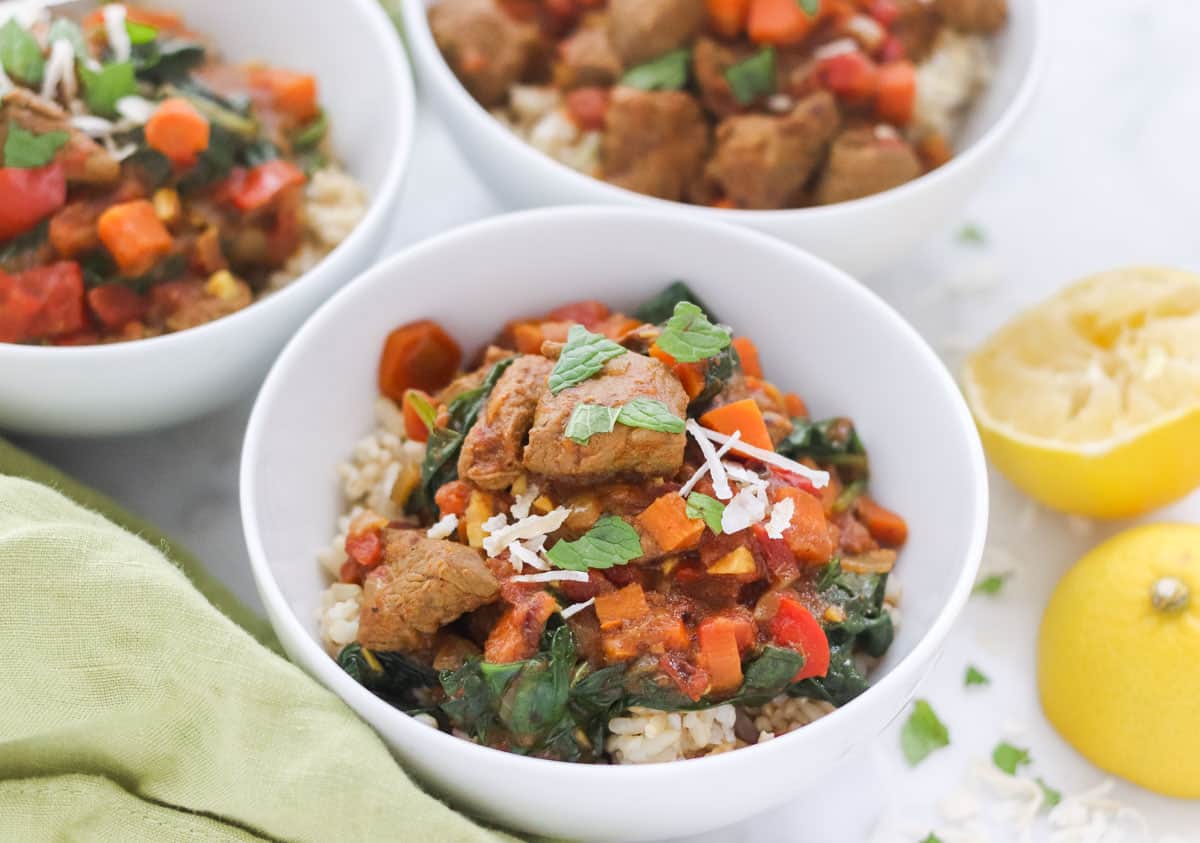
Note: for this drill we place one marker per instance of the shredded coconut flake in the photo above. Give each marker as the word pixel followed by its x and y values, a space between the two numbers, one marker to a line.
pixel 520 507
pixel 136 109
pixel 715 467
pixel 748 507
pixel 92 125
pixel 576 608
pixel 703 470
pixel 60 70
pixel 819 479
pixel 443 528
pixel 835 48
pixel 502 535
pixel 522 555
pixel 781 518
pixel 118 37
pixel 552 576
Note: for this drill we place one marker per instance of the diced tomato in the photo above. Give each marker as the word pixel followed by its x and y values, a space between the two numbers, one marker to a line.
pixel 892 50
pixel 41 303
pixel 795 627
pixel 254 188
pixel 588 107
pixel 17 310
pixel 693 681
pixel 29 197
pixel 791 478
pixel 293 94
pixel 365 548
pixel 451 498
pixel 851 76
pixel 885 11
pixel 587 313
pixel 115 305
pixel 779 559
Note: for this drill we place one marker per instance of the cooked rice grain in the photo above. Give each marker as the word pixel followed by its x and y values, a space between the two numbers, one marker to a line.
pixel 338 615
pixel 646 735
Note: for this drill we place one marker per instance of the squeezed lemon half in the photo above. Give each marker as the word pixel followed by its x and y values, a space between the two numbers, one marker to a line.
pixel 1090 401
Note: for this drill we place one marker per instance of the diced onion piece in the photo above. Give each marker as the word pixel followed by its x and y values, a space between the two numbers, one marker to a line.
pixel 552 576
pixel 576 608
pixel 444 528
pixel 819 479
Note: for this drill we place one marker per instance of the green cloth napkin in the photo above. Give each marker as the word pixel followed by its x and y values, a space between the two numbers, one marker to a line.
pixel 133 710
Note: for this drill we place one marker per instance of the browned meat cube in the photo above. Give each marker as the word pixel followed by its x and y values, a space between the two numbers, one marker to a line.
pixel 654 142
pixel 626 451
pixel 641 30
pixel 83 160
pixel 487 49
pixel 917 27
pixel 491 453
pixel 710 60
pixel 587 58
pixel 421 585
pixel 983 16
pixel 863 162
pixel 763 161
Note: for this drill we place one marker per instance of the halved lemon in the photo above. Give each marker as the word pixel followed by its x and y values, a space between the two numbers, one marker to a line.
pixel 1090 401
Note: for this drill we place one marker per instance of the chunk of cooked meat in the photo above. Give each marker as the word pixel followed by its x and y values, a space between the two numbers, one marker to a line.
pixel 982 16
pixel 587 58
pixel 491 453
pixel 421 585
pixel 917 26
pixel 488 49
pixel 83 160
pixel 626 450
pixel 763 161
pixel 710 60
pixel 862 163
pixel 654 142
pixel 641 30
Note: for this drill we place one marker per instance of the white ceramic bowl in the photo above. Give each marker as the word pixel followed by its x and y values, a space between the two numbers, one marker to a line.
pixel 365 86
pixel 819 333
pixel 862 236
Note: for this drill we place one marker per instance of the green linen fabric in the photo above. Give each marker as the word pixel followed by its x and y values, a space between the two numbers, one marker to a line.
pixel 131 709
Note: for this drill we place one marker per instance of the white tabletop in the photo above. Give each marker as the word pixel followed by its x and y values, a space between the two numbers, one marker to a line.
pixel 1105 173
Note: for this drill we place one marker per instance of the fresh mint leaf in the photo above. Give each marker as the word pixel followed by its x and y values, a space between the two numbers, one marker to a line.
pixel 583 356
pixel 753 77
pixel 710 509
pixel 26 150
pixel 689 337
pixel 20 54
pixel 102 88
pixel 650 414
pixel 589 419
pixel 140 33
pixel 932 838
pixel 971 235
pixel 668 72
pixel 992 584
pixel 65 29
pixel 425 411
pixel 975 677
pixel 1052 796
pixel 923 733
pixel 810 7
pixel 1008 757
pixel 611 541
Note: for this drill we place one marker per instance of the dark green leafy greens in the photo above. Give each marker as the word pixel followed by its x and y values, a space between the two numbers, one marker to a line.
pixel 1008 757
pixel 923 733
pixel 719 370
pixel 611 541
pixel 583 356
pixel 26 150
pixel 393 676
pixel 16 248
pixel 20 54
pixel 668 72
pixel 310 134
pixel 659 308
pixel 167 60
pixel 753 77
pixel 830 442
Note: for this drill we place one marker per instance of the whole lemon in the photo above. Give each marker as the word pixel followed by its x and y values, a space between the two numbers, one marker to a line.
pixel 1119 657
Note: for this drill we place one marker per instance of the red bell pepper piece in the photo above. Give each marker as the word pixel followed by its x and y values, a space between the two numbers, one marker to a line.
pixel 255 188
pixel 794 626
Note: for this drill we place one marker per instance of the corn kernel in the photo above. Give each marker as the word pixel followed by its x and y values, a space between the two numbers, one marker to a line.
pixel 222 284
pixel 835 614
pixel 542 505
pixel 166 204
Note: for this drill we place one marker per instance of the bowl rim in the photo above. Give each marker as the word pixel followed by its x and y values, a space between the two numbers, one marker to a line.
pixel 429 59
pixel 387 41
pixel 312 656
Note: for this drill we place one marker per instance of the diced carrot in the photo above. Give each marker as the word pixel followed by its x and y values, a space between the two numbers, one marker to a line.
pixel 667 523
pixel 116 305
pixel 728 17
pixel 934 150
pixel 515 636
pixel 807 535
pixel 414 426
pixel 885 526
pixel 293 94
pixel 178 131
pixel 625 604
pixel 134 236
pixel 658 354
pixel 588 107
pixel 365 548
pixel 770 390
pixel 725 203
pixel 850 76
pixel 719 654
pixel 796 408
pixel 748 353
pixel 744 416
pixel 587 313
pixel 897 94
pixel 616 326
pixel 73 229
pixel 528 337
pixel 419 355
pixel 451 498
pixel 690 375
pixel 794 626
pixel 779 22
pixel 257 187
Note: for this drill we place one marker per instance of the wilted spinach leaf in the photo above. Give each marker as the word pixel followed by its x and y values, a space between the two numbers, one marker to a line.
pixel 718 372
pixel 659 308
pixel 393 676
pixel 160 61
pixel 17 247
pixel 830 442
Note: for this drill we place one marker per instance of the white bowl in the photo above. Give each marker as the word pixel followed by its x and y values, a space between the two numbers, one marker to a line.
pixel 861 236
pixel 136 386
pixel 819 333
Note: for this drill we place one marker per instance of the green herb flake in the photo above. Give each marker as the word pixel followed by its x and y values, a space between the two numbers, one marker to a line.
pixel 583 356
pixel 689 337
pixel 754 77
pixel 650 414
pixel 140 33
pixel 992 584
pixel 589 419
pixel 975 677
pixel 829 574
pixel 424 410
pixel 1008 757
pixel 20 54
pixel 311 133
pixel 923 733
pixel 710 509
pixel 971 235
pixel 610 542
pixel 668 72
pixel 932 838
pixel 102 88
pixel 26 150
pixel 1052 797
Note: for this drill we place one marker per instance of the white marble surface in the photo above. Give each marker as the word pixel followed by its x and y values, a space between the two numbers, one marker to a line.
pixel 1103 174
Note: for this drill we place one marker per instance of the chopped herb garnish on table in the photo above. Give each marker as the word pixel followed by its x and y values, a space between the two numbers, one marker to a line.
pixel 971 234
pixel 1052 796
pixel 992 584
pixel 923 733
pixel 975 677
pixel 932 838
pixel 1008 757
